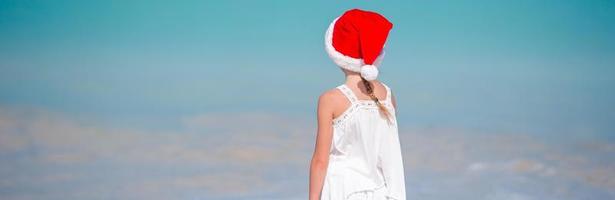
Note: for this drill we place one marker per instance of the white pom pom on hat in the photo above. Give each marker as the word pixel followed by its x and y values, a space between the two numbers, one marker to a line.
pixel 355 41
pixel 369 72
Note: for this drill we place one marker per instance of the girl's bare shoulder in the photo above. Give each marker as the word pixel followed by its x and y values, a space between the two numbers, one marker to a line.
pixel 331 96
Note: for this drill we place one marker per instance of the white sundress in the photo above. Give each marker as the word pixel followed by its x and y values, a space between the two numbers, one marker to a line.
pixel 365 160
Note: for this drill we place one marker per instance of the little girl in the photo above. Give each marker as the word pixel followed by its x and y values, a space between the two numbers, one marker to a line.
pixel 357 153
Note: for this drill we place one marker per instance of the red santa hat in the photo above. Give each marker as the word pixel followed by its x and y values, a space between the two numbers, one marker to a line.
pixel 355 41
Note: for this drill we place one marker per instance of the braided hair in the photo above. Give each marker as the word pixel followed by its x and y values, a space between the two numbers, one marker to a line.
pixel 370 92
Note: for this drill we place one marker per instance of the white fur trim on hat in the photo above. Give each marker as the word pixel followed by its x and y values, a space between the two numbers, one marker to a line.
pixel 343 61
pixel 369 72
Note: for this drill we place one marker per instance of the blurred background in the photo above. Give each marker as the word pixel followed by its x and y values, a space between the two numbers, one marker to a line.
pixel 131 99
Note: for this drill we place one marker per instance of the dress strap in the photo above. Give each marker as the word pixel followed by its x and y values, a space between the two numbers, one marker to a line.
pixel 348 93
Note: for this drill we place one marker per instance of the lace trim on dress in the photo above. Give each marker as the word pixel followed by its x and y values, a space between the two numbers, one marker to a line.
pixel 356 103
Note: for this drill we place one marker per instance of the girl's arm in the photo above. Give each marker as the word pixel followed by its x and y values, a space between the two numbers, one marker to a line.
pixel 320 158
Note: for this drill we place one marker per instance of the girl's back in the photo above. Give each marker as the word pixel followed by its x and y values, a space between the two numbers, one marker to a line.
pixel 365 154
pixel 342 102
